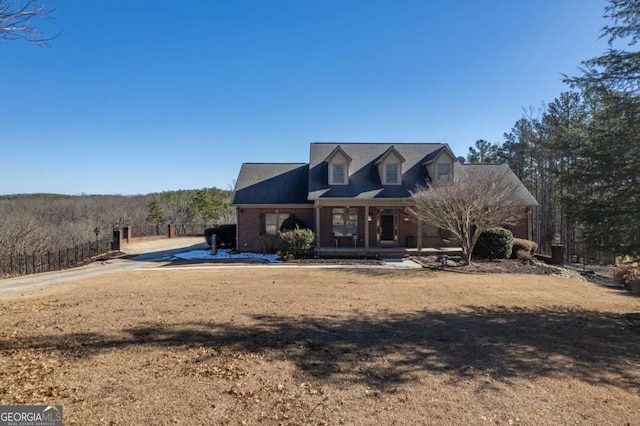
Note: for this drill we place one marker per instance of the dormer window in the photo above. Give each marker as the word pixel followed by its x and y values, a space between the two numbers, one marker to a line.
pixel 391 173
pixel 444 172
pixel 338 174
pixel 338 166
pixel 389 166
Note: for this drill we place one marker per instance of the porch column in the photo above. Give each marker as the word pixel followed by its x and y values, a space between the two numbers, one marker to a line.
pixel 366 227
pixel 419 237
pixel 317 227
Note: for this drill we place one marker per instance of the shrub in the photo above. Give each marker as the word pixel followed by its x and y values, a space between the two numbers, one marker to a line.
pixel 297 243
pixel 520 244
pixel 225 235
pixel 494 243
pixel 524 256
pixel 291 223
pixel 628 275
pixel 268 244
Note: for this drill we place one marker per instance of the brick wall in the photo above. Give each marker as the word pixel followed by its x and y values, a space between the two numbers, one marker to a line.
pixel 521 230
pixel 249 232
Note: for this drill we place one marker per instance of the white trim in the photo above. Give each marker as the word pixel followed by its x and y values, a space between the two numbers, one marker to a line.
pixel 361 202
pixel 367 214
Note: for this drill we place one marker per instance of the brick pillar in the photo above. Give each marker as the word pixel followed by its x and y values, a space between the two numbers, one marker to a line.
pixel 127 233
pixel 557 255
pixel 172 231
pixel 116 243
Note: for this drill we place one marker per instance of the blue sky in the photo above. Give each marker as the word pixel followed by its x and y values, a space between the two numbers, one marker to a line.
pixel 136 97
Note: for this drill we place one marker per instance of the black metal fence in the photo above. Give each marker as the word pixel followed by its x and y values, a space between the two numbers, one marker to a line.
pixel 17 264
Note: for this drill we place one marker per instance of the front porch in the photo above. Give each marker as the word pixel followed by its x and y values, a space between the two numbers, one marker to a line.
pixel 374 227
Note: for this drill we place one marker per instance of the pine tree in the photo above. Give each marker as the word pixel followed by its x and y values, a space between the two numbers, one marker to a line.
pixel 156 215
pixel 484 152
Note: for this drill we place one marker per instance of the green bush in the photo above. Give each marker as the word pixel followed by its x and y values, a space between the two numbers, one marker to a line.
pixel 225 235
pixel 297 243
pixel 520 244
pixel 494 243
pixel 291 223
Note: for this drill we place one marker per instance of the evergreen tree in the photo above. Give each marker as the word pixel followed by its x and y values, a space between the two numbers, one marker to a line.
pixel 484 152
pixel 605 177
pixel 156 215
pixel 616 69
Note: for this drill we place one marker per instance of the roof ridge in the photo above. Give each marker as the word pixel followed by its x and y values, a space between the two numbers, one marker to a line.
pixel 296 163
pixel 378 143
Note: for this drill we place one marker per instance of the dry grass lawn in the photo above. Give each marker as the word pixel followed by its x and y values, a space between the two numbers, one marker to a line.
pixel 306 346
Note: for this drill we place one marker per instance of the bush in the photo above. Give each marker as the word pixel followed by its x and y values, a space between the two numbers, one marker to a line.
pixel 297 243
pixel 524 256
pixel 291 223
pixel 268 244
pixel 494 243
pixel 225 235
pixel 520 244
pixel 628 275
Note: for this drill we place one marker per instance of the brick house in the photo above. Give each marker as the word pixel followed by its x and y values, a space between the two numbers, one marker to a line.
pixel 353 196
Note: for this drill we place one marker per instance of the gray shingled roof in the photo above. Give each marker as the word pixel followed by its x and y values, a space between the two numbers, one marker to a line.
pixel 364 180
pixel 523 196
pixel 271 183
pixel 298 183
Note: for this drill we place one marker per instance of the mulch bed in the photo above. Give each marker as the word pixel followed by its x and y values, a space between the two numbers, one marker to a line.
pixel 516 266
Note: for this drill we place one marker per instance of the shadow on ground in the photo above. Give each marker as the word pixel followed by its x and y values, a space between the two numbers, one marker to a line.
pixel 163 255
pixel 387 350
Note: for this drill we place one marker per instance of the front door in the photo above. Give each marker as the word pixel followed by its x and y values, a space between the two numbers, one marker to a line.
pixel 387 228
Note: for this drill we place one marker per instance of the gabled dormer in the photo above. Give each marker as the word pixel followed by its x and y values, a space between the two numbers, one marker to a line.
pixel 390 167
pixel 338 166
pixel 439 165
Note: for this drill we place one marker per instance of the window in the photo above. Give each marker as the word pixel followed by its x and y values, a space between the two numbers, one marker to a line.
pixel 338 173
pixel 273 221
pixel 391 173
pixel 429 230
pixel 443 172
pixel 345 222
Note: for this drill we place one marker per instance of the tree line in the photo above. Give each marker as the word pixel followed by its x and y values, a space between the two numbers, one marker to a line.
pixel 579 155
pixel 42 222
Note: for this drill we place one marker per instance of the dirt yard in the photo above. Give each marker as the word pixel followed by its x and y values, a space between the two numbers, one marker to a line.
pixel 305 346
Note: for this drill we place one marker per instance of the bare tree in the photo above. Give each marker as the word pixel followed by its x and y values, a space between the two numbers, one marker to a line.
pixel 17 21
pixel 479 197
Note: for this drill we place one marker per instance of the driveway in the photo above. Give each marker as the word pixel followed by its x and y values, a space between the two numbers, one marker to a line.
pixel 139 255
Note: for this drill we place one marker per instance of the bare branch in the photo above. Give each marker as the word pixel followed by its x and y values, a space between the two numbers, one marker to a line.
pixel 479 198
pixel 17 21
